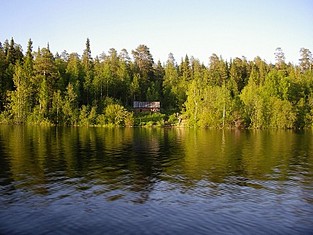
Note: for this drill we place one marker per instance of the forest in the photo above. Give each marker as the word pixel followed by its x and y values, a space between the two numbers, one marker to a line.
pixel 39 88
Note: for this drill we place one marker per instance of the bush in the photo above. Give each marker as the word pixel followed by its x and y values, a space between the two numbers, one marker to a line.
pixel 173 119
pixel 117 115
pixel 5 117
pixel 150 119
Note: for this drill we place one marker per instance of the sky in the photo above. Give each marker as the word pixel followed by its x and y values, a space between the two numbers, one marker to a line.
pixel 198 28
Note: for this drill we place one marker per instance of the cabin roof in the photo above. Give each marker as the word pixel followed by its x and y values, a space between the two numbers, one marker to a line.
pixel 146 104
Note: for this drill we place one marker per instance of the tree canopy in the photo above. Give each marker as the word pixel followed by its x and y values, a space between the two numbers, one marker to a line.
pixel 68 89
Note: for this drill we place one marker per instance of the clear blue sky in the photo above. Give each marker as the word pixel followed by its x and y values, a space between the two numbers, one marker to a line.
pixel 230 28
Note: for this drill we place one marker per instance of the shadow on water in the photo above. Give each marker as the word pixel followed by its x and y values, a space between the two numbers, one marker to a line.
pixel 161 176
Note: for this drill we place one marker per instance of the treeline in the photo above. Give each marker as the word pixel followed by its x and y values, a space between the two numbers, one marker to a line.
pixel 68 89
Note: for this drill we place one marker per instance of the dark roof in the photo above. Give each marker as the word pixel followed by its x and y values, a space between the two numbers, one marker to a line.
pixel 150 105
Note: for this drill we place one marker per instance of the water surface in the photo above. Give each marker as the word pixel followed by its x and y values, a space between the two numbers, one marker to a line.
pixel 155 181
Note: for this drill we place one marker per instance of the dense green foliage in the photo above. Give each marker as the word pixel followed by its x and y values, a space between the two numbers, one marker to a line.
pixel 68 89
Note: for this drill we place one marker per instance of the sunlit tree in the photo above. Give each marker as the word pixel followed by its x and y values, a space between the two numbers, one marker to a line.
pixel 305 59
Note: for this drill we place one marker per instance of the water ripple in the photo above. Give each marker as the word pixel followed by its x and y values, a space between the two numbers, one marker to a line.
pixel 141 181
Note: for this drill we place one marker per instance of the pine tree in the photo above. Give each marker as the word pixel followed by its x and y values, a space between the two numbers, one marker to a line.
pixel 14 52
pixel 218 70
pixel 239 72
pixel 4 81
pixel 144 61
pixel 171 84
pixel 306 59
pixel 185 70
pixel 29 59
pixel 280 58
pixel 124 75
pixel 87 64
pixel 74 73
pixel 61 62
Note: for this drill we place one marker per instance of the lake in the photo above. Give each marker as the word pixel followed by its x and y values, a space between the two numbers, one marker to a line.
pixel 56 180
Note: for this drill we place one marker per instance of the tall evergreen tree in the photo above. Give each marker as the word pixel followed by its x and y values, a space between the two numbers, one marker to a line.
pixel 280 58
pixel 239 72
pixel 61 62
pixel 185 70
pixel 4 80
pixel 74 73
pixel 29 58
pixel 218 70
pixel 144 61
pixel 44 81
pixel 171 86
pixel 14 52
pixel 45 68
pixel 305 59
pixel 87 64
pixel 125 75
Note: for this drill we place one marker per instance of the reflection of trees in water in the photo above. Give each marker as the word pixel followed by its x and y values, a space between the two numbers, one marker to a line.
pixel 132 160
pixel 127 159
pixel 145 162
pixel 25 158
pixel 218 154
